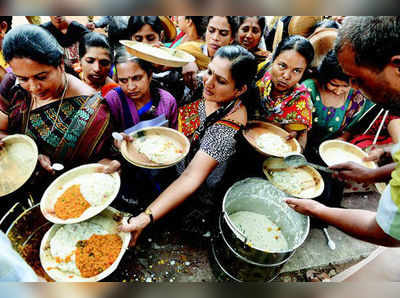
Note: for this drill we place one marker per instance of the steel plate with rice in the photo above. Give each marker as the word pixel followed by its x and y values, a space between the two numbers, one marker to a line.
pixel 155 147
pixel 18 159
pixel 79 194
pixel 269 139
pixel 86 251
pixel 303 182
pixel 335 151
pixel 164 56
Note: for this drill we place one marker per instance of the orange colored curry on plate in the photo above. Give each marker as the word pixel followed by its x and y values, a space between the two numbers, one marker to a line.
pixel 96 254
pixel 71 204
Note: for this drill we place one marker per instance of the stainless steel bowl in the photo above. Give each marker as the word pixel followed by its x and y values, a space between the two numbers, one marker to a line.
pixel 260 196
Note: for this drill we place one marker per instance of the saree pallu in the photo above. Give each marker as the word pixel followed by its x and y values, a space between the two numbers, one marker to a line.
pixel 76 135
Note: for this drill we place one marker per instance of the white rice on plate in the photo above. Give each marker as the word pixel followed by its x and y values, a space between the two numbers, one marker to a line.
pixel 158 148
pixel 63 244
pixel 269 142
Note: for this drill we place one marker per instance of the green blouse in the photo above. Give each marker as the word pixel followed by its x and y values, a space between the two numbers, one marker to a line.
pixel 329 122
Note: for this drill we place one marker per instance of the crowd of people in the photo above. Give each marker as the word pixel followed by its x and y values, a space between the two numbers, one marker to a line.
pixel 69 87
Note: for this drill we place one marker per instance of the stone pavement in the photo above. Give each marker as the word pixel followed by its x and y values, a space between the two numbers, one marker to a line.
pixel 166 255
pixel 315 253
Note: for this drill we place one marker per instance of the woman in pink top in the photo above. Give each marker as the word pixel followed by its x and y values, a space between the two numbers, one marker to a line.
pixel 138 98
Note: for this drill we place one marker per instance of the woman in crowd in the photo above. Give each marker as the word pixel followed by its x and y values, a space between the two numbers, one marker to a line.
pixel 138 98
pixel 192 29
pixel 149 30
pixel 96 60
pixel 68 121
pixel 284 101
pixel 337 107
pixel 220 31
pixel 249 34
pixel 67 33
pixel 211 123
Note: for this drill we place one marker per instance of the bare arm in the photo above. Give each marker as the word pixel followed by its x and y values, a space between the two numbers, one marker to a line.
pixel 190 180
pixel 394 130
pixel 360 224
pixel 356 172
pixel 302 138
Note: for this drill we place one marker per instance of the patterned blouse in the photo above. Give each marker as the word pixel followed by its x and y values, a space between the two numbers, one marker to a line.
pixel 218 140
pixel 293 110
pixel 76 130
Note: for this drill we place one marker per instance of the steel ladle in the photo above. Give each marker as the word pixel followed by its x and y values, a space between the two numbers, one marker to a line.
pixel 297 160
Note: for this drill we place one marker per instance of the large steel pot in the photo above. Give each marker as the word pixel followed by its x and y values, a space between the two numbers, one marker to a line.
pixel 260 196
pixel 25 232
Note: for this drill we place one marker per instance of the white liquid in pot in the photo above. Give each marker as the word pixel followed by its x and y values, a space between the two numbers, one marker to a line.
pixel 261 233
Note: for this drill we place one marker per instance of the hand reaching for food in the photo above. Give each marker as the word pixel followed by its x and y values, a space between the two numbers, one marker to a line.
pixel 304 206
pixel 135 226
pixel 374 155
pixel 45 163
pixel 109 166
pixel 118 141
pixel 352 171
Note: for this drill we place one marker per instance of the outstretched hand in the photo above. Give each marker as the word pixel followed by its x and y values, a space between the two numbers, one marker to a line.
pixel 354 172
pixel 292 135
pixel 126 137
pixel 45 163
pixel 109 166
pixel 135 226
pixel 304 206
pixel 374 155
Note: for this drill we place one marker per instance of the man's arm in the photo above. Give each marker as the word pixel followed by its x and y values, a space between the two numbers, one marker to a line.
pixel 356 172
pixel 360 224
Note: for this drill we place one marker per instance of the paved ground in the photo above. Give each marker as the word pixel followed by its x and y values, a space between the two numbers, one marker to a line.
pixel 170 256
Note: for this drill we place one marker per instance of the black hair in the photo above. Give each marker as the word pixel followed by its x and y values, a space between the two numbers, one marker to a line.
pixel 243 71
pixel 330 69
pixel 33 42
pixel 374 39
pixel 135 23
pixel 122 56
pixel 8 20
pixel 232 21
pixel 325 24
pixel 94 39
pixel 200 23
pixel 298 43
pixel 260 22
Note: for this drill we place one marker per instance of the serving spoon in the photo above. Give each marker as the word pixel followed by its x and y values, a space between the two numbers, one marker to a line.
pixel 117 136
pixel 331 243
pixel 57 167
pixel 297 160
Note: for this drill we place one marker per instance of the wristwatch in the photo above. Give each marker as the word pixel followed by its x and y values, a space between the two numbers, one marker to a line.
pixel 150 214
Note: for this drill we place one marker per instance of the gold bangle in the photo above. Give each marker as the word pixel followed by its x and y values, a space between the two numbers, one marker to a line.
pixel 150 214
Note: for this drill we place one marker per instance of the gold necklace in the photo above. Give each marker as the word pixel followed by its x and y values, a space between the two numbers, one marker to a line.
pixel 66 81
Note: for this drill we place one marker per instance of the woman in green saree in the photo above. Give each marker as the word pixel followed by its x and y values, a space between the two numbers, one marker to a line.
pixel 337 107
